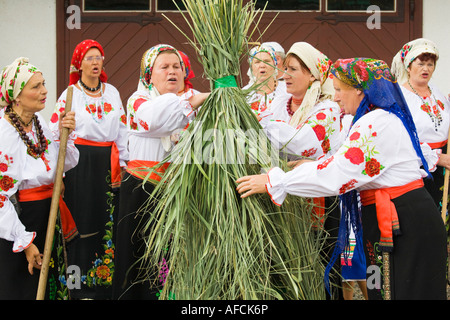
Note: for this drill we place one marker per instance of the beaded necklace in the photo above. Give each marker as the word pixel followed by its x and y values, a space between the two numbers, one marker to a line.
pixel 89 88
pixel 97 113
pixel 35 150
pixel 289 103
pixel 433 112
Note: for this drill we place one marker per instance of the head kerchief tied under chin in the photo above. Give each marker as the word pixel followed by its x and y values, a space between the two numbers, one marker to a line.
pixel 381 90
pixel 276 46
pixel 189 72
pixel 13 78
pixel 147 62
pixel 253 52
pixel 77 59
pixel 408 53
pixel 320 89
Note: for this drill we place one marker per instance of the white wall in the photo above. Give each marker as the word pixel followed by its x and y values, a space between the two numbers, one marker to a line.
pixel 436 28
pixel 28 29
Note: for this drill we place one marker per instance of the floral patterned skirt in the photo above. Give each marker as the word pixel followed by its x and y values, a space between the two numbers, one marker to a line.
pixel 93 204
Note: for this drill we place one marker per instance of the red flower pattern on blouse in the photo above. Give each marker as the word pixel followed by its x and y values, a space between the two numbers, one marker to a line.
pixel 347 186
pixel 6 183
pixel 324 164
pixel 355 155
pixel 2 200
pixel 143 124
pixel 309 153
pixel 320 132
pixel 107 107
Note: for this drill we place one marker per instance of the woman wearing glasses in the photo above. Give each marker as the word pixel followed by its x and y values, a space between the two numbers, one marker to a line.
pixel 91 188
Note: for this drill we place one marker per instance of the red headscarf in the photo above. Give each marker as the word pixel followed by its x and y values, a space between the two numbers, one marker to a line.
pixel 77 58
pixel 189 72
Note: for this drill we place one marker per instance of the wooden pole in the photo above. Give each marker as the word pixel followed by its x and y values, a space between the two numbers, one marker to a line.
pixel 386 276
pixel 54 207
pixel 445 195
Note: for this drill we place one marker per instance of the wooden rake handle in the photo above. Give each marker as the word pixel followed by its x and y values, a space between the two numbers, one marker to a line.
pixel 445 194
pixel 54 207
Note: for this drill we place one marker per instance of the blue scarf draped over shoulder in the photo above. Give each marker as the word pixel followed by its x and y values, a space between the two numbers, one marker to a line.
pixel 381 90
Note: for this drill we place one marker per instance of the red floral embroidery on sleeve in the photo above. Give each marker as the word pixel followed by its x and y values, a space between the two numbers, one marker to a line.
pixel 143 124
pixel 320 132
pixel 373 167
pixel 347 186
pixel 309 153
pixel 355 155
pixel 324 164
pixel 6 183
pixel 138 103
pixel 123 119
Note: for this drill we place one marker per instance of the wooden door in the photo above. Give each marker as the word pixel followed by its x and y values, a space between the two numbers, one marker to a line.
pixel 126 34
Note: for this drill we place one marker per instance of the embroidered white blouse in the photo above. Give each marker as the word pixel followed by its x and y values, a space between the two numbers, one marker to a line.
pixel 377 153
pixel 20 171
pixel 149 120
pixel 262 103
pixel 100 119
pixel 436 104
pixel 319 135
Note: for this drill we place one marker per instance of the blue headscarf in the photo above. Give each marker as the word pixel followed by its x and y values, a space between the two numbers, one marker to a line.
pixel 381 90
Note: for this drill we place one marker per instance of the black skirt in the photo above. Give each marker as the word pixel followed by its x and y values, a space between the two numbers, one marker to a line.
pixel 417 264
pixel 133 280
pixel 93 204
pixel 16 283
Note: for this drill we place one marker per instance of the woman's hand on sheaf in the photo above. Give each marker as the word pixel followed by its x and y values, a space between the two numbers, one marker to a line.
pixel 249 185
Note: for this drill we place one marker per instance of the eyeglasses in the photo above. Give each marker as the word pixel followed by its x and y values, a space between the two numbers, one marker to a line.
pixel 92 58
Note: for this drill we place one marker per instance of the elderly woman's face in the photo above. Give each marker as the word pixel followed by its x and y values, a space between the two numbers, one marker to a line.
pixel 167 74
pixel 421 71
pixel 33 96
pixel 92 63
pixel 297 79
pixel 346 96
pixel 261 66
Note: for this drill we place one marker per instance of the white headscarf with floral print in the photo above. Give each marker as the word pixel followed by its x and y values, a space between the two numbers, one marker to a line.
pixel 407 54
pixel 147 62
pixel 320 89
pixel 13 78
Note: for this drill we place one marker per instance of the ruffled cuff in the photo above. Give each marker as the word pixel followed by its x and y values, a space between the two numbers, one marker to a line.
pixel 187 110
pixel 23 241
pixel 275 186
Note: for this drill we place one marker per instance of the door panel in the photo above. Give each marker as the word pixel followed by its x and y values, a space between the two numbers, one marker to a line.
pixel 125 36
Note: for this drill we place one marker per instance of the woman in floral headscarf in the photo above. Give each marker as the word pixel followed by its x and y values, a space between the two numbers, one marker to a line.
pixel 414 66
pixel 305 122
pixel 28 161
pixel 91 188
pixel 155 112
pixel 381 159
pixel 263 85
